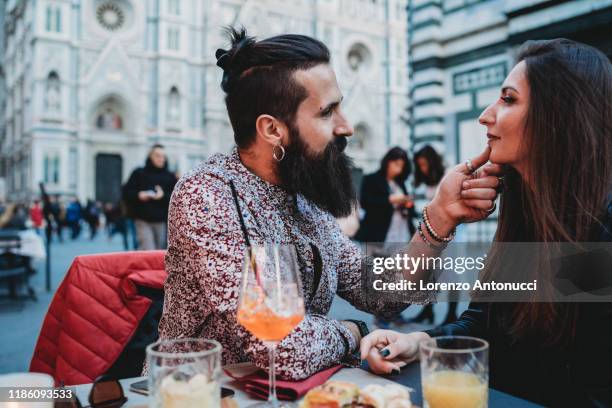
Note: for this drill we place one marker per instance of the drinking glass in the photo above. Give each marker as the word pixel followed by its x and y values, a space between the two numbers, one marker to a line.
pixel 17 383
pixel 455 372
pixel 184 373
pixel 271 304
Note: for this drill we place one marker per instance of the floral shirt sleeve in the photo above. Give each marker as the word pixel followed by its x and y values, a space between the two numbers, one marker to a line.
pixel 352 265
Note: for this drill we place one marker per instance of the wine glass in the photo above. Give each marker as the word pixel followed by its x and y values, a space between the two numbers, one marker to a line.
pixel 271 303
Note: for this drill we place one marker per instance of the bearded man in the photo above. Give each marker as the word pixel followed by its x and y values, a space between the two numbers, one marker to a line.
pixel 284 182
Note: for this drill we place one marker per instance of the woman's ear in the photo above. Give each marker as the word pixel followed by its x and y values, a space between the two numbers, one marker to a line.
pixel 271 130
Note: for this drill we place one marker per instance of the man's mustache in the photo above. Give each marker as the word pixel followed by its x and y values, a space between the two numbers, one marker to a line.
pixel 340 143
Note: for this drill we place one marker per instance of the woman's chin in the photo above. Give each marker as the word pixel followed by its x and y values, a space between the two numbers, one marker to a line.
pixel 497 157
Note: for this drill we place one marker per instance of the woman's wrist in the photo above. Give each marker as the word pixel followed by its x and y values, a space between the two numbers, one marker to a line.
pixel 440 220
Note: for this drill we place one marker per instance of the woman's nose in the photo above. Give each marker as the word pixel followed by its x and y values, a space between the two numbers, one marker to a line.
pixel 487 117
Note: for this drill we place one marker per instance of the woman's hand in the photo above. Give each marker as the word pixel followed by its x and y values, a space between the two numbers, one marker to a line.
pixel 144 196
pixel 387 350
pixel 465 196
pixel 398 199
pixel 159 193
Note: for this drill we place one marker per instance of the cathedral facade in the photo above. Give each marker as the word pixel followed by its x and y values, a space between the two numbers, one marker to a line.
pixel 89 85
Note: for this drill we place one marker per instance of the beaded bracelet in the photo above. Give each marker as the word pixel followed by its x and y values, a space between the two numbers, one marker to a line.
pixel 433 233
pixel 428 242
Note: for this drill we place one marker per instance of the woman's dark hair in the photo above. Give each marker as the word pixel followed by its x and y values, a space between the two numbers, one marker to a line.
pixel 394 154
pixel 568 145
pixel 258 78
pixel 436 167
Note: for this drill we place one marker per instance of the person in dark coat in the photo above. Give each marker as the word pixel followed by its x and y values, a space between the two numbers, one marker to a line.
pixel 148 192
pixel 74 214
pixel 389 211
pixel 385 199
pixel 92 214
pixel 53 213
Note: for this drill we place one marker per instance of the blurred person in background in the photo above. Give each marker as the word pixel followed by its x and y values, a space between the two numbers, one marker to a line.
pixel 128 211
pixel 14 217
pixel 429 170
pixel 389 211
pixel 36 216
pixel 116 222
pixel 92 217
pixel 74 214
pixel 54 214
pixel 148 192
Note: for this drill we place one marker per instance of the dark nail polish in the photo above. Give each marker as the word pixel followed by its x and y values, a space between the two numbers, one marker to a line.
pixel 395 371
pixel 384 352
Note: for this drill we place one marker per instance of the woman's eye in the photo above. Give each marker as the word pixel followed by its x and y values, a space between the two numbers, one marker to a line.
pixel 507 99
pixel 327 113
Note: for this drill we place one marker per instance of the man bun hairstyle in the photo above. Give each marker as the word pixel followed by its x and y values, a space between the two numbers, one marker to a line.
pixel 258 78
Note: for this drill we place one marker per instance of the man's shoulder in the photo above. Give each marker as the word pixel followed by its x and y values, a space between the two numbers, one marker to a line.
pixel 207 176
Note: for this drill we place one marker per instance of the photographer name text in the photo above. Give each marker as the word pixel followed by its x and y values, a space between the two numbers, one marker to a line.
pixel 405 285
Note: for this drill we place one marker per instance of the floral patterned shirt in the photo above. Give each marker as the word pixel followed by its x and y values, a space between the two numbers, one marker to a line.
pixel 206 253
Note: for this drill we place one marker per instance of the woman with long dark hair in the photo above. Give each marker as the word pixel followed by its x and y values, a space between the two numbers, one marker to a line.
pixel 388 208
pixel 552 129
pixel 428 170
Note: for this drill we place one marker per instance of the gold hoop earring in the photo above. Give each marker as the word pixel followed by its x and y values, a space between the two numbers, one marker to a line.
pixel 282 154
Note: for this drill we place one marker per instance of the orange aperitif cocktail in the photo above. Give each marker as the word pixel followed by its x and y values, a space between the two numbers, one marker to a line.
pixel 255 316
pixel 271 303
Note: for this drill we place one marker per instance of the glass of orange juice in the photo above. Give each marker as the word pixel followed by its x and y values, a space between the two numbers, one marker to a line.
pixel 455 372
pixel 271 303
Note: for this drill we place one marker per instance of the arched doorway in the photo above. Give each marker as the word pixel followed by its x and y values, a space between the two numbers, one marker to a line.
pixel 109 168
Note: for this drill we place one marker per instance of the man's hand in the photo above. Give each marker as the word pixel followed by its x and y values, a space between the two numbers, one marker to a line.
pixel 387 350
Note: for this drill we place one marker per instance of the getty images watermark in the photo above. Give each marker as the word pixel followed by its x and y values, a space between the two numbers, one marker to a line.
pixel 460 265
pixel 499 272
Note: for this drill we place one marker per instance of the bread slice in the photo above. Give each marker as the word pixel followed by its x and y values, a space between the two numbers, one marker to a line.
pixel 332 394
pixel 340 394
pixel 373 395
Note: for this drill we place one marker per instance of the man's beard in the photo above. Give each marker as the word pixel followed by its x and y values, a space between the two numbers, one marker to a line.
pixel 324 178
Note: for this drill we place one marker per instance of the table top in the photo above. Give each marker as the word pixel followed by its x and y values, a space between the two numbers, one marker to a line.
pixel 410 377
